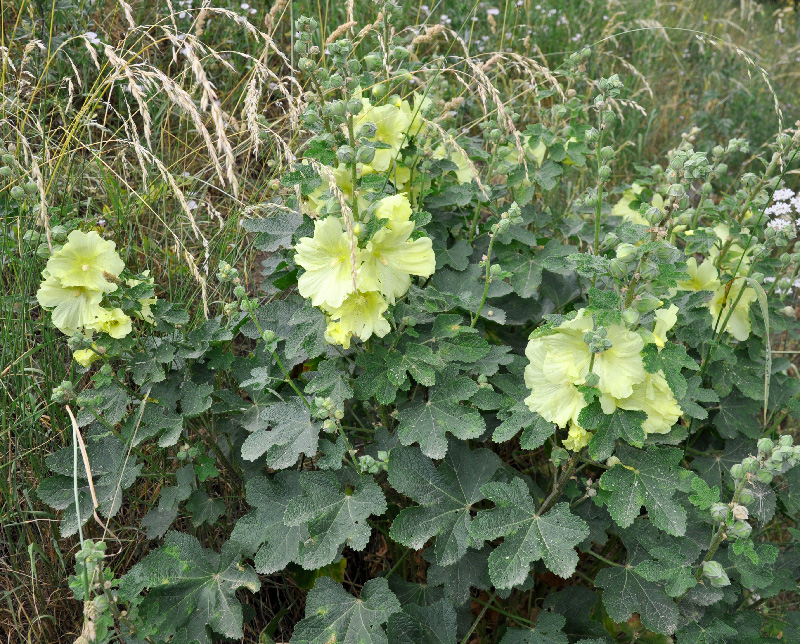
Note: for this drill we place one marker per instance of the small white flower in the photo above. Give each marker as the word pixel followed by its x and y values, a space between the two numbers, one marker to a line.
pixel 244 6
pixel 92 37
pixel 784 194
pixel 425 9
pixel 778 224
pixel 192 204
pixel 493 11
pixel 253 12
pixel 780 208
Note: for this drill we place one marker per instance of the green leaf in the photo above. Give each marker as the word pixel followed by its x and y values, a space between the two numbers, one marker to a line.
pixel 650 478
pixel 293 433
pixel 262 530
pixel 418 360
pixel 535 429
pixel 755 575
pixel 671 359
pixel 526 267
pixel 548 630
pixel 195 399
pixel 547 174
pixel 159 519
pixel 608 428
pixel 704 497
pixel 458 578
pixel 274 231
pixel 737 415
pixel 334 515
pixel 433 624
pixel 456 256
pixel 191 589
pixel 332 615
pixel 551 537
pixel 427 422
pixel 330 381
pixel 203 509
pixel 374 382
pixel 626 593
pixel 695 394
pixel 445 496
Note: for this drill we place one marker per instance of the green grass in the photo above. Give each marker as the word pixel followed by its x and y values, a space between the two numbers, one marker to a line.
pixel 90 174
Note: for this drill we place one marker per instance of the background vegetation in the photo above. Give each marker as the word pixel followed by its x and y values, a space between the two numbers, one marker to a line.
pixel 173 192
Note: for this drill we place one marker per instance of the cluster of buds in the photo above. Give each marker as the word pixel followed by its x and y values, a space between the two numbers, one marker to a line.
pixel 227 273
pixel 10 169
pixel 325 410
pixel 597 340
pixel 63 393
pixel 187 452
pixel 772 460
pixel 512 217
pixel 372 465
pixel 715 573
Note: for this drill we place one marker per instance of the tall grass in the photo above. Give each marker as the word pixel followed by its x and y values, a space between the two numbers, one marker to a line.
pixel 164 126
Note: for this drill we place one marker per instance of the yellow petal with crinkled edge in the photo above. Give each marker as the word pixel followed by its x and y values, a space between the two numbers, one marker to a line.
pixel 114 322
pixel 392 125
pixel 621 366
pixel 73 307
pixel 390 259
pixel 665 320
pixel 84 261
pixel 654 397
pixel 335 333
pixel 577 438
pixel 701 278
pixel 361 315
pixel 328 279
pixel 85 357
pixel 396 209
pixel 739 323
pixel 556 402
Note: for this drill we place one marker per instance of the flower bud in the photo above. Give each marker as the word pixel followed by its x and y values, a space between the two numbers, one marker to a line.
pixel 649 270
pixel 740 530
pixel 750 464
pixel 609 241
pixel 785 441
pixel 400 53
pixel 612 461
pixel 592 379
pixel 719 511
pixel 5 171
pixel 626 252
pixel 239 292
pixel 7 159
pixel 630 316
pixel 30 188
pixel 17 192
pixel 707 188
pixel 746 498
pixel 365 154
pixel 646 303
pixel 764 475
pixel 618 268
pixel 604 173
pixel 305 64
pixel 345 154
pixel 737 471
pixel 715 573
pixel 606 152
pixel 740 512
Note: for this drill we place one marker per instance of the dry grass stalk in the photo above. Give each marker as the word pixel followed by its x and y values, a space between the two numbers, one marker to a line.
pixel 430 34
pixel 450 140
pixel 340 31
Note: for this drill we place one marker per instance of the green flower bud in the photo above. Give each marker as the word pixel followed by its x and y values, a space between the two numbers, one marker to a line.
pixel 592 379
pixel 750 464
pixel 353 66
pixel 379 90
pixel 400 53
pixel 372 61
pixel 715 573
pixel 17 192
pixel 764 475
pixel 354 106
pixel 7 159
pixel 706 188
pixel 646 303
pixel 239 292
pixel 649 270
pixel 306 64
pixel 606 152
pixel 604 173
pixel 365 154
pixel 626 252
pixel 786 441
pixel 609 241
pixel 336 81
pixel 5 171
pixel 718 151
pixel 618 268
pixel 345 154
pixel 740 530
pixel 737 471
pixel 746 497
pixel 719 511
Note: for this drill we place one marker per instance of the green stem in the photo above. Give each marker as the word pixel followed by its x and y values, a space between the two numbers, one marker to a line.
pixel 478 619
pixel 559 487
pixel 486 285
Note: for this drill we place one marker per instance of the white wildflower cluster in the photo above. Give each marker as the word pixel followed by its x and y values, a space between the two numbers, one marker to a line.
pixel 785 203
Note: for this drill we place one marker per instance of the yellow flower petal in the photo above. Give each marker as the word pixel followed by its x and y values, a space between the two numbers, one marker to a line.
pixel 556 402
pixel 73 307
pixel 83 260
pixel 361 315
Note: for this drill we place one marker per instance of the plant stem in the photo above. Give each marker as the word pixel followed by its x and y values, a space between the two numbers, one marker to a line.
pixel 559 487
pixel 478 619
pixel 486 285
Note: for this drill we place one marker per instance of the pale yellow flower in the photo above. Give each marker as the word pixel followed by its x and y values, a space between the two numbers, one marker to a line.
pixel 85 261
pixel 326 257
pixel 654 397
pixel 85 357
pixel 396 209
pixel 335 333
pixel 739 323
pixel 577 438
pixel 114 322
pixel 415 113
pixel 701 278
pixel 623 207
pixel 146 314
pixel 390 259
pixel 361 315
pixel 557 402
pixel 665 320
pixel 392 124
pixel 73 307
pixel 464 174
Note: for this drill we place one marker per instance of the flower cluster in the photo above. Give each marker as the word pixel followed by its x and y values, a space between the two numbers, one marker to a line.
pixel 608 358
pixel 76 279
pixel 354 280
pixel 391 126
